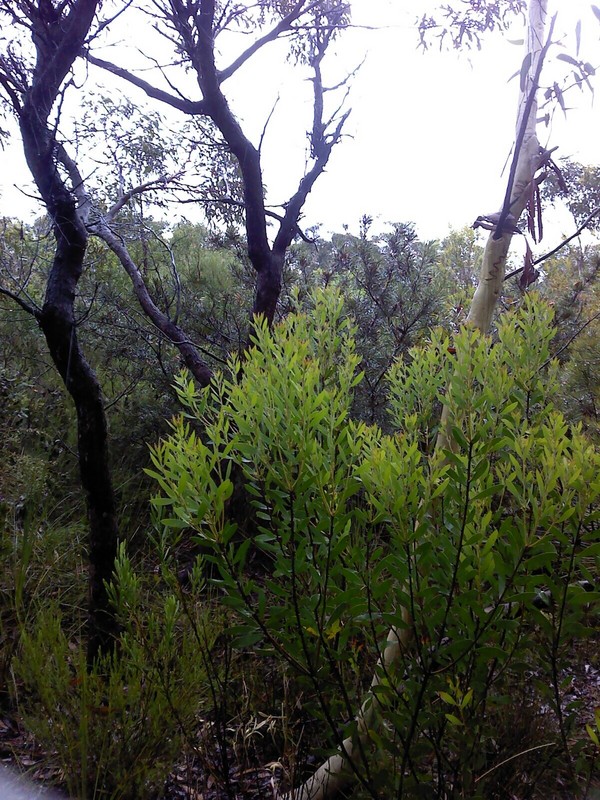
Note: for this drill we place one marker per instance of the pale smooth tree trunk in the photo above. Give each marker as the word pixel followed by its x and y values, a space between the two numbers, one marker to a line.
pixel 528 160
pixel 339 769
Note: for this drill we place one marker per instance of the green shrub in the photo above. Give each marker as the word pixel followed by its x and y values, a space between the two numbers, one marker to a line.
pixel 478 549
pixel 117 730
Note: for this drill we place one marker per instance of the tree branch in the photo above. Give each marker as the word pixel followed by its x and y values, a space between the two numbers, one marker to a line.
pixel 558 247
pixel 35 312
pixel 570 341
pixel 199 369
pixel 162 181
pixel 284 25
pixel 182 104
pixel 321 144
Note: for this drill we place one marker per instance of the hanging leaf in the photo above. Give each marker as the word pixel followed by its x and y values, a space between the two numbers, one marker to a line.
pixel 525 70
pixel 569 59
pixel 578 35
pixel 531 207
pixel 596 11
pixel 562 184
pixel 560 98
pixel 530 274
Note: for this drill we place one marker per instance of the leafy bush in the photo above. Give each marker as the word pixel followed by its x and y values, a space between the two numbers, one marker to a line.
pixel 116 730
pixel 476 551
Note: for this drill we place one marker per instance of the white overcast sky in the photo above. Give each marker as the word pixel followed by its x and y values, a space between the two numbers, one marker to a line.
pixel 429 134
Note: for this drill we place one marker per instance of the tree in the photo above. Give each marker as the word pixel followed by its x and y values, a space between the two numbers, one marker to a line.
pixel 194 30
pixel 32 91
pixel 393 290
pixel 529 159
pixel 60 32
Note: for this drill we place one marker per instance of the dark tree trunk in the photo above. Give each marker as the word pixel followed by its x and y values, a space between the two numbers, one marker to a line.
pixel 58 40
pixel 57 321
pixel 92 445
pixel 268 286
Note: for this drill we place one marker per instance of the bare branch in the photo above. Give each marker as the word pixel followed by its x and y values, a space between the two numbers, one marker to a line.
pixel 266 125
pixel 30 309
pixel 180 103
pixel 8 87
pixel 282 26
pixel 189 352
pixel 570 340
pixel 174 270
pixel 109 20
pixel 156 183
pixel 321 145
pixel 558 247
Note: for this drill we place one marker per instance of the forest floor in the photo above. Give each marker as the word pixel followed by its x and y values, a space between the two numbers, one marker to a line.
pixel 194 779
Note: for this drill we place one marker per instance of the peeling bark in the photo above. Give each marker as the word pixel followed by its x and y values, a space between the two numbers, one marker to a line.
pixel 525 164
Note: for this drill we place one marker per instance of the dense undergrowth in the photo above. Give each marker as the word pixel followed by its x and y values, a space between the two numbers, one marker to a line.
pixel 288 539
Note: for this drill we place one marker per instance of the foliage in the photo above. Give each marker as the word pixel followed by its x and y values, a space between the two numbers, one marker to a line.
pixel 116 730
pixel 465 26
pixel 577 185
pixel 352 526
pixel 392 288
pixel 571 284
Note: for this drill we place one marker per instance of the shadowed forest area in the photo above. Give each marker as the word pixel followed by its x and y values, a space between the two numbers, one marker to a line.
pixel 286 514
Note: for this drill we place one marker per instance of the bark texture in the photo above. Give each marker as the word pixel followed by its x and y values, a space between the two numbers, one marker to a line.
pixel 526 162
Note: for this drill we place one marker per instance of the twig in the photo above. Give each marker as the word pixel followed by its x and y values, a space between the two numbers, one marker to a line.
pixel 35 312
pixel 511 758
pixel 558 247
pixel 569 341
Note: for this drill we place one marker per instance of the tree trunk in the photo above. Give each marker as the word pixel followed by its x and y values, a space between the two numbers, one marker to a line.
pixel 59 37
pixel 526 162
pixel 57 321
pixel 268 286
